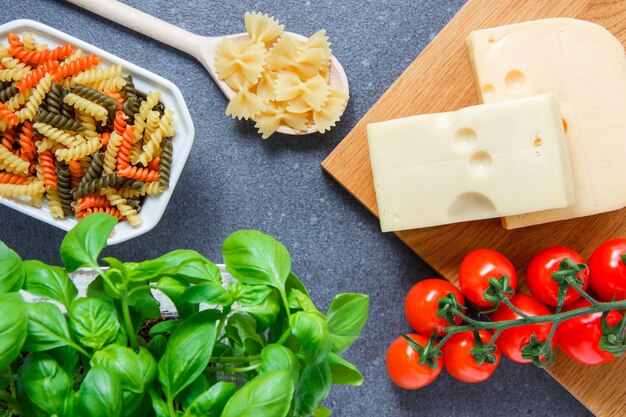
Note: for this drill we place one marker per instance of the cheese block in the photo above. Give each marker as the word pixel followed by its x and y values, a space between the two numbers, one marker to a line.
pixel 479 162
pixel 584 65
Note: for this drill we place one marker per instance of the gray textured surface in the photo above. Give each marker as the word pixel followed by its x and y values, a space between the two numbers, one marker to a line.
pixel 233 180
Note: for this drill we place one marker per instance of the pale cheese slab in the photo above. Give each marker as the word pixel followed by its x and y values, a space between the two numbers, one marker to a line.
pixel 479 162
pixel 585 66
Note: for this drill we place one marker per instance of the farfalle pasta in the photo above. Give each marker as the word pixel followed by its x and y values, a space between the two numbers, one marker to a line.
pixel 279 80
pixel 63 117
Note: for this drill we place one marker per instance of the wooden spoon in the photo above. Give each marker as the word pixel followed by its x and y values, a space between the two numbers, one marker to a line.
pixel 203 48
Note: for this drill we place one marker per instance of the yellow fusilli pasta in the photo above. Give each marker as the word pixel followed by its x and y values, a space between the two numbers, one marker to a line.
pixel 78 151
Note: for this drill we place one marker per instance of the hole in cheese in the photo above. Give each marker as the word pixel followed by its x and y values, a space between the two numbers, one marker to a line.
pixel 471 206
pixel 515 80
pixel 464 140
pixel 480 163
pixel 488 92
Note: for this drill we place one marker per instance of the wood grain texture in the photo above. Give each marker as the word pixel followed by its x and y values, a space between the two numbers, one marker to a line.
pixel 439 80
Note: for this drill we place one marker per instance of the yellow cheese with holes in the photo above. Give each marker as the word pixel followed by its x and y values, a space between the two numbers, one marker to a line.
pixel 480 162
pixel 585 66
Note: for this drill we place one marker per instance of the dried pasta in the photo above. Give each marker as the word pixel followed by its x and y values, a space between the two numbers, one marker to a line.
pixel 63 117
pixel 279 79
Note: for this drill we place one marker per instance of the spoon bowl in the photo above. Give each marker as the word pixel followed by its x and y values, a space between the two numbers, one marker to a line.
pixel 203 48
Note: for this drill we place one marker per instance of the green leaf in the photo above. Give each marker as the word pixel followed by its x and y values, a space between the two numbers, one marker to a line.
pixel 321 411
pixel 344 372
pixel 12 327
pixel 279 358
pixel 49 281
pixel 243 331
pixel 188 352
pixel 293 282
pixel 264 396
pixel 249 294
pixel 199 272
pixel 143 304
pixel 193 390
pixel 211 402
pixel 100 394
pixel 175 288
pixel 47 328
pixel 346 317
pixel 159 406
pixel 255 258
pixel 265 313
pixel 167 326
pixel 11 270
pixel 66 357
pixel 93 321
pixel 82 245
pixel 167 265
pixel 312 333
pixel 207 292
pixel 135 371
pixel 156 346
pixel 315 384
pixel 299 300
pixel 45 385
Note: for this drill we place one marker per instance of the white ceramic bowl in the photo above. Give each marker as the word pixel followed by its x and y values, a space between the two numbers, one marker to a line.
pixel 154 205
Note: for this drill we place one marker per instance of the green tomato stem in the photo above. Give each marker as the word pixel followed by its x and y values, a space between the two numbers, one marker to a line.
pixel 516 310
pixel 585 295
pixel 128 324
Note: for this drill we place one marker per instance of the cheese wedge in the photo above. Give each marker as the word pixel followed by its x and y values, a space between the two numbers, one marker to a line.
pixel 584 65
pixel 479 162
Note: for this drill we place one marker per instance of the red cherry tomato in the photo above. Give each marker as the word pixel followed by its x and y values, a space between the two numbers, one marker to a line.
pixel 421 305
pixel 461 364
pixel 607 272
pixel 539 275
pixel 477 267
pixel 512 340
pixel 403 366
pixel 579 337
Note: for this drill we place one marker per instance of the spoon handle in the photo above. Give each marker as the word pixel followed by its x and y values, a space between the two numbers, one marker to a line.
pixel 143 23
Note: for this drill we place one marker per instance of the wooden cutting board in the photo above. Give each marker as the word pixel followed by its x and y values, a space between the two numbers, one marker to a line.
pixel 440 80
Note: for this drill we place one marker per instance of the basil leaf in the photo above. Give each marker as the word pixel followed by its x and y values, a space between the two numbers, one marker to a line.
pixel 49 281
pixel 346 317
pixel 11 270
pixel 167 265
pixel 82 245
pixel 279 358
pixel 264 313
pixel 199 272
pixel 100 395
pixel 144 306
pixel 263 396
pixel 12 327
pixel 300 301
pixel 93 321
pixel 188 352
pixel 159 406
pixel 242 329
pixel 207 292
pixel 47 328
pixel 321 411
pixel 175 288
pixel 211 402
pixel 249 294
pixel 156 346
pixel 193 390
pixel 293 282
pixel 255 258
pixel 135 371
pixel 344 372
pixel 66 357
pixel 312 333
pixel 315 384
pixel 45 385
pixel 167 326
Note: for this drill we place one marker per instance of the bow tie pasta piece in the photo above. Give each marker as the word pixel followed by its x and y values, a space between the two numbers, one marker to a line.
pixel 280 80
pixel 240 62
pixel 329 114
pixel 276 115
pixel 262 28
pixel 313 91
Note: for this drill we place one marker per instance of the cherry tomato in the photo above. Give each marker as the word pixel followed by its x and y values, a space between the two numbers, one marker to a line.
pixel 477 267
pixel 607 272
pixel 539 275
pixel 461 364
pixel 403 366
pixel 579 337
pixel 512 340
pixel 421 303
